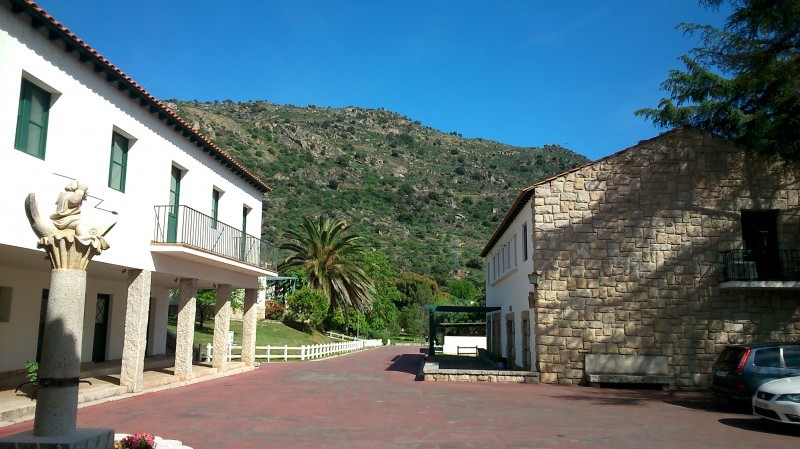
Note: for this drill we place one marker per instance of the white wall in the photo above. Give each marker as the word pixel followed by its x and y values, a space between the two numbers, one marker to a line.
pixel 19 336
pixel 85 110
pixel 159 309
pixel 82 117
pixel 510 290
pixel 452 343
pixel 22 328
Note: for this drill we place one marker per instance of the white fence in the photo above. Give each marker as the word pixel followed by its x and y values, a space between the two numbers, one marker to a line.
pixel 342 337
pixel 285 353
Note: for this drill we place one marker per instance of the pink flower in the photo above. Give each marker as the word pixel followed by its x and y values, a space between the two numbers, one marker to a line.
pixel 138 441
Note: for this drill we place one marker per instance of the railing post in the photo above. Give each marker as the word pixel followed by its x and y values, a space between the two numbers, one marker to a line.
pixel 285 353
pixel 269 352
pixel 210 352
pixel 303 352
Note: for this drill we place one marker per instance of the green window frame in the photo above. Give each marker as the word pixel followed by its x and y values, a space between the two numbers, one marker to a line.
pixel 32 117
pixel 118 167
pixel 214 208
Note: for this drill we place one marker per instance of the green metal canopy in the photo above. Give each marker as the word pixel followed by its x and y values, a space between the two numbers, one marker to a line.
pixel 282 285
pixel 432 309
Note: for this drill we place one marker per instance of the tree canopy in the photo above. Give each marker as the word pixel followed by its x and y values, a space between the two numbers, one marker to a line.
pixel 743 83
pixel 328 255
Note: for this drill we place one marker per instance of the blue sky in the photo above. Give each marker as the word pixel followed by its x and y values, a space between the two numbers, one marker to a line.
pixel 525 73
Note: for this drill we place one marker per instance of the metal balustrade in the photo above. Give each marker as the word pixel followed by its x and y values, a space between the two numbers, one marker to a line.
pixel 183 225
pixel 745 265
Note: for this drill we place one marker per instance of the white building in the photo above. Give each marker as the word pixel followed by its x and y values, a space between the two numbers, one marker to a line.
pixel 187 215
pixel 508 263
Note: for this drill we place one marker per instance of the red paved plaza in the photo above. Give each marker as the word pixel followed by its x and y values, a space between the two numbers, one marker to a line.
pixel 372 400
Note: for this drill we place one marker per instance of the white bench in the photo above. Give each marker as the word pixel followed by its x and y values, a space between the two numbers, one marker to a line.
pixel 625 369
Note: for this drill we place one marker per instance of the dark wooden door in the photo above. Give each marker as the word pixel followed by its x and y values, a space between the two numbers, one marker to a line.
pixel 100 328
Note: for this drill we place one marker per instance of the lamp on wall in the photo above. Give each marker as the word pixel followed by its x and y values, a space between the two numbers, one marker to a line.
pixel 534 278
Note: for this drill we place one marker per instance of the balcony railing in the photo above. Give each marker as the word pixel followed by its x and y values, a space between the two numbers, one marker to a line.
pixel 186 226
pixel 745 265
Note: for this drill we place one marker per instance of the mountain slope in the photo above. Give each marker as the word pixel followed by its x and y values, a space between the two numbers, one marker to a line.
pixel 428 199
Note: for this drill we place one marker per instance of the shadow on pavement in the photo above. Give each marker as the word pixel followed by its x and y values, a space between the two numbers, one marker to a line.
pixel 465 363
pixel 406 363
pixel 606 399
pixel 756 424
pixel 630 396
pixel 709 403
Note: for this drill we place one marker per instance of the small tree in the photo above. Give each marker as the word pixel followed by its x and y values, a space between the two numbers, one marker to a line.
pixel 206 304
pixel 307 306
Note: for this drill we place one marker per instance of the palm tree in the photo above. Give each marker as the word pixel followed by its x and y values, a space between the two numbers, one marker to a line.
pixel 328 255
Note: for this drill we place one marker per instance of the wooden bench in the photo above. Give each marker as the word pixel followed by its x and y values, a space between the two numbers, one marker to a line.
pixel 626 369
pixel 467 350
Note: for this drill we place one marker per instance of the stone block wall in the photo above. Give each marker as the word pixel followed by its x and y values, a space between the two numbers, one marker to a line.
pixel 629 249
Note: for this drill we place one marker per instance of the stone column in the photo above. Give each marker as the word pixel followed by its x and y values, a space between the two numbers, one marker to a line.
pixel 249 324
pixel 137 313
pixel 70 244
pixel 222 324
pixel 57 407
pixel 185 330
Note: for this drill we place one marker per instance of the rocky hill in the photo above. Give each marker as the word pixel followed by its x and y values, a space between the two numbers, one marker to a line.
pixel 429 199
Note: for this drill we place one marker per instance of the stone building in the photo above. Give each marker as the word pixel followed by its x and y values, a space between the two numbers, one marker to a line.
pixel 673 247
pixel 185 211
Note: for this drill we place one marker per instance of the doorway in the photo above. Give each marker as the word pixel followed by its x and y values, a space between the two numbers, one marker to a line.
pixel 174 202
pixel 760 235
pixel 100 328
pixel 42 320
pixel 511 340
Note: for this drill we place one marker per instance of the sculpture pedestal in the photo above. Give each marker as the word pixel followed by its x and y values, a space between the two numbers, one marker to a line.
pixel 80 439
pixel 57 398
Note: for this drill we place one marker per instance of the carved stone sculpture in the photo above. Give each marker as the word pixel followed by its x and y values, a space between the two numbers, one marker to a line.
pixel 69 242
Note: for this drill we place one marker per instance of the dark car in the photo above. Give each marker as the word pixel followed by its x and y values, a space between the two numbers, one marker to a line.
pixel 741 369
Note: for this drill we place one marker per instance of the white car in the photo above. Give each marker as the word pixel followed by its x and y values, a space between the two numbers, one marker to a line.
pixel 779 400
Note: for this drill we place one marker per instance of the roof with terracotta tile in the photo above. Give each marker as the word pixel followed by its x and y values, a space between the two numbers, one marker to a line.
pixel 525 194
pixel 73 44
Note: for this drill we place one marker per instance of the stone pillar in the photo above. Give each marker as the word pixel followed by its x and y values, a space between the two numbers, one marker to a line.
pixel 57 407
pixel 70 244
pixel 249 324
pixel 137 313
pixel 222 324
pixel 185 331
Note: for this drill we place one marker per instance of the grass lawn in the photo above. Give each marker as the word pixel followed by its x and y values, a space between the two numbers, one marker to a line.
pixel 407 338
pixel 267 333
